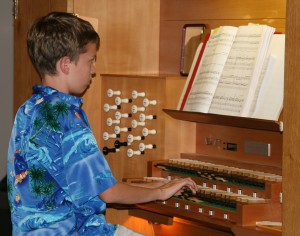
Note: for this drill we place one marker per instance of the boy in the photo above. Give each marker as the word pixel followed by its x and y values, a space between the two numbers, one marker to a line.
pixel 58 180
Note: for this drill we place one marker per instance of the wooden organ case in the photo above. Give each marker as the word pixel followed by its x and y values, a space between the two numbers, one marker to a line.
pixel 252 146
pixel 237 166
pixel 235 161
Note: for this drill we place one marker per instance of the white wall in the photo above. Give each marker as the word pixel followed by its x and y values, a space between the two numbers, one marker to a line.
pixel 6 80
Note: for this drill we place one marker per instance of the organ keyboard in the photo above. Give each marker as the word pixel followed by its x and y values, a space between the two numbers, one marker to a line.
pixel 227 195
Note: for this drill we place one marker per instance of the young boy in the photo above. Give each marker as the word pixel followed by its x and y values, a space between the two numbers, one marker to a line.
pixel 58 180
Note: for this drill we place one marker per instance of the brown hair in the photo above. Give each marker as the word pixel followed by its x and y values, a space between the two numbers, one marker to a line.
pixel 56 35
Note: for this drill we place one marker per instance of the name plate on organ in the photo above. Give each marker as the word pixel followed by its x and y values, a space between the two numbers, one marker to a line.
pixel 258 148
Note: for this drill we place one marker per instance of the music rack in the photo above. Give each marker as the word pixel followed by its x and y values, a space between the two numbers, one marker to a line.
pixel 242 122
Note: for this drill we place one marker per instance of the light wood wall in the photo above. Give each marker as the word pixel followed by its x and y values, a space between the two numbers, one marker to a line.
pixel 213 13
pixel 291 134
pixel 129 32
pixel 25 75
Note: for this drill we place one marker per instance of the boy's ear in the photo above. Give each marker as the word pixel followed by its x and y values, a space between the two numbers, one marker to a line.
pixel 64 64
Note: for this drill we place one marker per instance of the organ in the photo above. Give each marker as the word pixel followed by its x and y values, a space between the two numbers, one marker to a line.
pixel 237 167
pixel 226 194
pixel 236 161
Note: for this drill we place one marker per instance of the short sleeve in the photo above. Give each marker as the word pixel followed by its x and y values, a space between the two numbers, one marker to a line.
pixel 86 170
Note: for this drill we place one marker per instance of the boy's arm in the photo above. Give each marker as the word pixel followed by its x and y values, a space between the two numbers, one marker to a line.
pixel 129 194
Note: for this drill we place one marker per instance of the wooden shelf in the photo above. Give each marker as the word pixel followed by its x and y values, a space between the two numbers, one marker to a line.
pixel 241 122
pixel 253 231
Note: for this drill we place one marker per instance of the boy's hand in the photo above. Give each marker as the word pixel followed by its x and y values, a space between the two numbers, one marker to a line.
pixel 176 186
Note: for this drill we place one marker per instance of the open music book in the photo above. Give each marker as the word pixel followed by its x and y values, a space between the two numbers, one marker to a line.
pixel 237 71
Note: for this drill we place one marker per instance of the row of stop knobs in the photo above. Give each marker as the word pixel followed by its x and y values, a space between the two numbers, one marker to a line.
pixel 134 123
pixel 130 152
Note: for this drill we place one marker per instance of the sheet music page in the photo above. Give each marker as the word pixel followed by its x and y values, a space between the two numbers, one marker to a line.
pixel 270 98
pixel 264 45
pixel 236 77
pixel 211 66
pixel 265 74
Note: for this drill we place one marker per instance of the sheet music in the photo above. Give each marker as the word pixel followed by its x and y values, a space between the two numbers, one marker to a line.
pixel 236 78
pixel 264 45
pixel 265 74
pixel 270 97
pixel 210 69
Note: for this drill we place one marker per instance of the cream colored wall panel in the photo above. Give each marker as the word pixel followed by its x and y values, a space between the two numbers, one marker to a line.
pixel 129 32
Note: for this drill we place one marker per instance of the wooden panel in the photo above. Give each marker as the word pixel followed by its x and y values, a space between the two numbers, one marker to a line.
pixel 25 75
pixel 192 222
pixel 173 136
pixel 180 136
pixel 183 227
pixel 154 88
pixel 220 135
pixel 219 9
pixel 253 231
pixel 129 32
pixel 223 120
pixel 114 216
pixel 171 38
pixel 291 118
pixel 214 14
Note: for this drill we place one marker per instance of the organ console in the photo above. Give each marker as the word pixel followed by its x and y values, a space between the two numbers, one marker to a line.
pixel 226 194
pixel 238 173
pixel 235 161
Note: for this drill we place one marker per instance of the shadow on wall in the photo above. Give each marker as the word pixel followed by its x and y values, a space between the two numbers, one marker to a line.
pixel 5 226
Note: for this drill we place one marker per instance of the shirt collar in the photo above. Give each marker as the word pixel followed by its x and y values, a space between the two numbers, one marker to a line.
pixel 48 91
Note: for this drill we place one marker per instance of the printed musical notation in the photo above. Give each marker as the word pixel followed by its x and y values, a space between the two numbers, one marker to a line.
pixel 210 69
pixel 231 71
pixel 238 67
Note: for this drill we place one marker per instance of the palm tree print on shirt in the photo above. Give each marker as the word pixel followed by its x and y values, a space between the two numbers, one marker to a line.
pixel 49 118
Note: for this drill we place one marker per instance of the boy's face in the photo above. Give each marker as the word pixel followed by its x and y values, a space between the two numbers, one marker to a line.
pixel 82 70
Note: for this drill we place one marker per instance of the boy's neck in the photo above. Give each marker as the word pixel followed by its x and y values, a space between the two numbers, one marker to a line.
pixel 55 82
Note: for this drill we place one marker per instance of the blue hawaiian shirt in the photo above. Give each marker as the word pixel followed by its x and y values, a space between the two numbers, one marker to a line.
pixel 55 169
